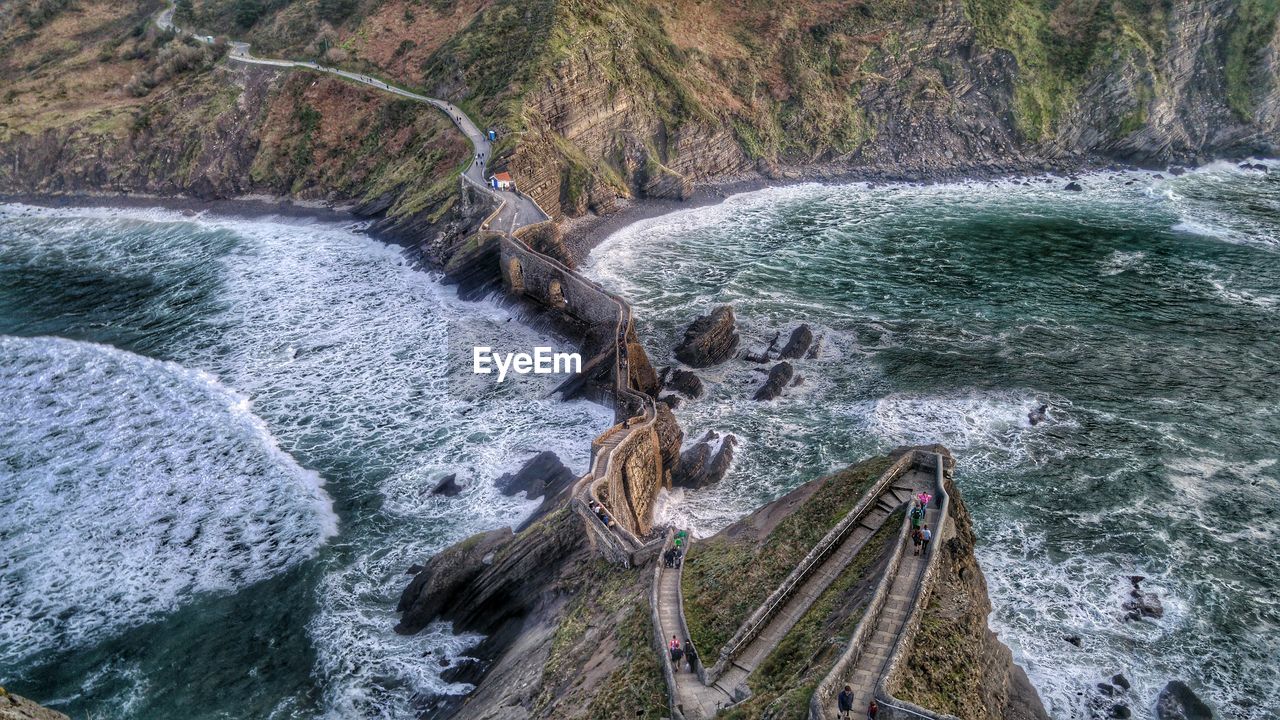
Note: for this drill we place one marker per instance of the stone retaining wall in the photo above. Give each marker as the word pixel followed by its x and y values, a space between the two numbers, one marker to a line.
pixel 659 636
pixel 760 618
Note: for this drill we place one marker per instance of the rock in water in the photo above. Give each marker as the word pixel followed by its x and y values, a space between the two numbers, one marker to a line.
pixel 542 476
pixel 779 377
pixel 709 340
pixel 700 465
pixel 1178 702
pixel 798 345
pixel 1073 187
pixel 684 382
pixel 448 487
pixel 443 576
pixel 1140 604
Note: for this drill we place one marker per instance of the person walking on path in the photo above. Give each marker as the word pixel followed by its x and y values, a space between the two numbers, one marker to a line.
pixel 924 498
pixel 845 702
pixel 690 655
pixel 925 536
pixel 917 537
pixel 676 652
pixel 873 710
pixel 917 515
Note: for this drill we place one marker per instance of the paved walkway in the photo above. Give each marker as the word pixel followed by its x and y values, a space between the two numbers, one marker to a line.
pixel 758 649
pixel 891 622
pixel 694 699
pixel 517 210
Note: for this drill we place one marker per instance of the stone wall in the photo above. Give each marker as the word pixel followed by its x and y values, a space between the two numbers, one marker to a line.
pixel 795 580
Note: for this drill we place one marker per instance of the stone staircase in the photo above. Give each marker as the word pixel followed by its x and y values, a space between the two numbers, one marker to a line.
pixel 750 656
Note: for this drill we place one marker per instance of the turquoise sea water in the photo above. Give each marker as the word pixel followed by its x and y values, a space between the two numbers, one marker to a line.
pixel 1144 311
pixel 219 441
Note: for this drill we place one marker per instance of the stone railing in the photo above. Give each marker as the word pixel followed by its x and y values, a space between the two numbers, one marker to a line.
pixel 761 617
pixel 698 668
pixel 605 540
pixel 824 696
pixel 895 666
pixel 659 636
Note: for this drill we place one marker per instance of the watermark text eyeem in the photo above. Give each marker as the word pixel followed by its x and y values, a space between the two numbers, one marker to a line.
pixel 543 361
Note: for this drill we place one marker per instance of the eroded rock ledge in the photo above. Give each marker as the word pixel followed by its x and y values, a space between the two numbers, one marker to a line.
pixel 569 635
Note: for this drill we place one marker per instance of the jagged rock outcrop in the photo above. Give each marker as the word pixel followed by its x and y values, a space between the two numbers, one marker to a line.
pixel 779 377
pixel 436 586
pixel 683 381
pixel 798 344
pixel 448 486
pixel 1179 702
pixel 704 463
pixel 670 436
pixel 1141 604
pixel 709 340
pixel 16 707
pixel 543 475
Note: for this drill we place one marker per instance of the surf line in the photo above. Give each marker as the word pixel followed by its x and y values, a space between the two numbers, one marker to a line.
pixel 543 361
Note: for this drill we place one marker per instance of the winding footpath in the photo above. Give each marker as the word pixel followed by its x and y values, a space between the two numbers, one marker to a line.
pixel 516 210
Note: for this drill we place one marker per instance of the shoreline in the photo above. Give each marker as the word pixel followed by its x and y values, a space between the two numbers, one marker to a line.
pixel 583 234
pixel 247 207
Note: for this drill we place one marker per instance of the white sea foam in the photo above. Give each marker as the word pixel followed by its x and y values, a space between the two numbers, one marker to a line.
pixel 358 362
pixel 987 428
pixel 130 485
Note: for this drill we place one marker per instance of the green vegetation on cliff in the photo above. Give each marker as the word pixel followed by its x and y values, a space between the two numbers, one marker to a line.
pixel 729 575
pixel 784 682
pixel 1253 25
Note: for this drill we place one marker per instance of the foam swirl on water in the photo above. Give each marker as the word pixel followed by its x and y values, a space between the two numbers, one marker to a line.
pixel 130 484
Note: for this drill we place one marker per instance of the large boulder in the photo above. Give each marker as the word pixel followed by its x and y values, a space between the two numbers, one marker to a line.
pixel 448 486
pixel 1142 604
pixel 1178 702
pixel 798 345
pixel 705 462
pixel 444 577
pixel 709 340
pixel 683 381
pixel 779 377
pixel 542 476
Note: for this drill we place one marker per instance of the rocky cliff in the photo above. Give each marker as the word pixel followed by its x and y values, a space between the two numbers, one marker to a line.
pixel 16 707
pixel 569 635
pixel 597 100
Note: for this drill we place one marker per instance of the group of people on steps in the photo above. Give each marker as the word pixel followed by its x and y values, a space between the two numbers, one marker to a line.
pixel 921 535
pixel 679 652
pixel 920 532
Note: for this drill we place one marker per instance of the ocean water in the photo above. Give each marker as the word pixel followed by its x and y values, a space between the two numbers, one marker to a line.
pixel 219 441
pixel 1144 311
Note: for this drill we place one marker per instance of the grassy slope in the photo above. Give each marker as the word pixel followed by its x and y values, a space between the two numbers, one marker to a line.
pixel 783 684
pixel 102 74
pixel 727 577
pixel 631 684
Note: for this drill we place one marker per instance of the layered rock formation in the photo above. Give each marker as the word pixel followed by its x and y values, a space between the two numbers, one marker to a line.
pixel 709 340
pixel 704 463
pixel 780 376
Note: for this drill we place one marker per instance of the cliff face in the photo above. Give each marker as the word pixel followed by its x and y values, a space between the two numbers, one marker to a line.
pixel 963 669
pixel 597 100
pixel 96 100
pixel 570 635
